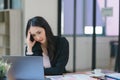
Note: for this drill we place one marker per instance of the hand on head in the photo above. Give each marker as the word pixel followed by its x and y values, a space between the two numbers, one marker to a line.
pixel 30 43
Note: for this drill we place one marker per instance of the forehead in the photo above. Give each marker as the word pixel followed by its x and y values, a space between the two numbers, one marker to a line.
pixel 34 29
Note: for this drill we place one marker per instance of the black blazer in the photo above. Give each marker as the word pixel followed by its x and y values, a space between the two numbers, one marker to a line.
pixel 60 59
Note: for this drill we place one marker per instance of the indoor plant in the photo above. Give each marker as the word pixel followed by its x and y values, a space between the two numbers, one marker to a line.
pixel 4 67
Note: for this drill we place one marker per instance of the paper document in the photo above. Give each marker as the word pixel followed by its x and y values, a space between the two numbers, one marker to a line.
pixel 71 77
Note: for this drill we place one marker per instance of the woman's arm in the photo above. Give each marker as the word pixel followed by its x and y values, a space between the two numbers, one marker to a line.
pixel 61 59
pixel 36 50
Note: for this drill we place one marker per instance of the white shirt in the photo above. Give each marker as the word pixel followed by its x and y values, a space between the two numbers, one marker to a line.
pixel 46 61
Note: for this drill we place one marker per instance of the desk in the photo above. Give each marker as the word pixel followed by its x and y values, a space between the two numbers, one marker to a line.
pixel 79 76
pixel 73 76
pixel 68 76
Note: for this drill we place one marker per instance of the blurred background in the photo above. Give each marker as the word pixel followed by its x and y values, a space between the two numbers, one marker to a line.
pixel 73 19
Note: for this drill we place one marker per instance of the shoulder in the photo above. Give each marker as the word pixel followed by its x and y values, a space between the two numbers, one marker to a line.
pixel 60 39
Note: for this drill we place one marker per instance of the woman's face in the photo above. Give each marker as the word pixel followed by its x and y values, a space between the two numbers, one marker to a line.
pixel 38 34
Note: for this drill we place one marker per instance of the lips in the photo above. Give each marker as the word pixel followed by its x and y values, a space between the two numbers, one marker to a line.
pixel 41 40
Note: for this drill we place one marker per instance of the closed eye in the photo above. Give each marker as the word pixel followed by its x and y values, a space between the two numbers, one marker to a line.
pixel 39 32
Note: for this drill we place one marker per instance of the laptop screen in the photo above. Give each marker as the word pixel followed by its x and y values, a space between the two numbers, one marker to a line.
pixel 26 67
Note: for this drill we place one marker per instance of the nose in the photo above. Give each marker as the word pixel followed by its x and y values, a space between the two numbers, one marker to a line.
pixel 37 38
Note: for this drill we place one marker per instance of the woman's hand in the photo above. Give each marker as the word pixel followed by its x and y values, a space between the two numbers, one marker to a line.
pixel 30 43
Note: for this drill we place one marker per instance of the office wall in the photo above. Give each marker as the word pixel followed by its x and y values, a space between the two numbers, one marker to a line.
pixel 84 53
pixel 45 8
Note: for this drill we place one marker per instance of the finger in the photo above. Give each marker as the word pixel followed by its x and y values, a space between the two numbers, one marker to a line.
pixel 28 36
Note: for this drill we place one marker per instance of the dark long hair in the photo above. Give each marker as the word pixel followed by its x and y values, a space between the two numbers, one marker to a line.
pixel 41 22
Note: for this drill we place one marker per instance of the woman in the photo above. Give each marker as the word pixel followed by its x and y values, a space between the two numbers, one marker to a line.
pixel 42 42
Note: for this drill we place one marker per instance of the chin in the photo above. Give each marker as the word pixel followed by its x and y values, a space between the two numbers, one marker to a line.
pixel 42 42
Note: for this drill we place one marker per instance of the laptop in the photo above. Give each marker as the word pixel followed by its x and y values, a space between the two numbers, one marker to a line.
pixel 26 67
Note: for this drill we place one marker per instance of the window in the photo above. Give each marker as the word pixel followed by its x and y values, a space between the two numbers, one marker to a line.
pixel 105 25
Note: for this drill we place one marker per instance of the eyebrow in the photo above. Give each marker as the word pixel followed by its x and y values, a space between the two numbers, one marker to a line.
pixel 36 32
